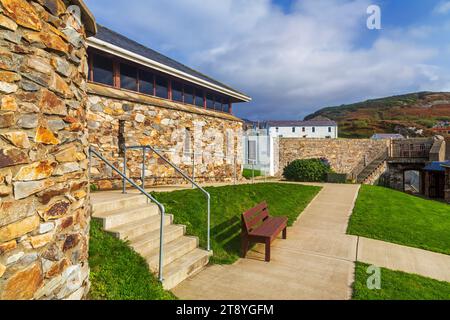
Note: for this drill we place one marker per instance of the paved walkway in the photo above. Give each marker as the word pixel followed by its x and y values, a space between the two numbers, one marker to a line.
pixel 315 262
pixel 411 260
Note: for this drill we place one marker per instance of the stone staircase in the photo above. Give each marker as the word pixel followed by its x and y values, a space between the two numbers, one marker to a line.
pixel 131 218
pixel 371 168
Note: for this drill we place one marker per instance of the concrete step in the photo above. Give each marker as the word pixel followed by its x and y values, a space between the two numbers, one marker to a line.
pixel 137 228
pixel 107 205
pixel 149 241
pixel 122 216
pixel 172 251
pixel 184 267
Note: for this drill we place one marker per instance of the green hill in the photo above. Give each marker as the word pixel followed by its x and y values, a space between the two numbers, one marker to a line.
pixel 415 114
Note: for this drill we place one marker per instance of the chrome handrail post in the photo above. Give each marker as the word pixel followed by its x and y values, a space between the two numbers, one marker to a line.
pixel 124 184
pixel 193 168
pixel 209 222
pixel 235 169
pixel 143 168
pixel 161 245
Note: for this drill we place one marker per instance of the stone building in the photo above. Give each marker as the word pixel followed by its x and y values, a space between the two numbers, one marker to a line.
pixel 61 92
pixel 44 194
pixel 140 97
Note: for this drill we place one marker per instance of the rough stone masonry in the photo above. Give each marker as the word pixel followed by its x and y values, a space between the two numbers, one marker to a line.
pixel 44 207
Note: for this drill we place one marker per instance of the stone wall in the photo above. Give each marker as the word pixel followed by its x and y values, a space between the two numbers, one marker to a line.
pixel 395 175
pixel 344 155
pixel 44 208
pixel 215 138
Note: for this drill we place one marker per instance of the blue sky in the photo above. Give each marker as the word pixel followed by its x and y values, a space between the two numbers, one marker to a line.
pixel 295 56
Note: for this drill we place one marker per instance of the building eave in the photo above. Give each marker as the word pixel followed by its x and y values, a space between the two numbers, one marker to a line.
pixel 133 57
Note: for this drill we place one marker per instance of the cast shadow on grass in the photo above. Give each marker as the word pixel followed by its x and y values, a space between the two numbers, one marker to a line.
pixel 228 235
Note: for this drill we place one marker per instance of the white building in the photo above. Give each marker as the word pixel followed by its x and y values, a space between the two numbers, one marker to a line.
pixel 260 140
pixel 312 129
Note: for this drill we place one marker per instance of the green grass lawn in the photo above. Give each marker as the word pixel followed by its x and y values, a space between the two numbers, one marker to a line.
pixel 397 285
pixel 247 173
pixel 393 216
pixel 227 205
pixel 119 273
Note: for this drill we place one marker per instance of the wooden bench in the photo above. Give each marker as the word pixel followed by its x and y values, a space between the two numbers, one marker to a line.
pixel 259 227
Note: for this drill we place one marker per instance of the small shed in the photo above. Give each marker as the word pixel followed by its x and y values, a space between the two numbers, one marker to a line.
pixel 435 179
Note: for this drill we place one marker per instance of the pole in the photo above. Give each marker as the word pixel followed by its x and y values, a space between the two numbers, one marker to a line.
pixel 193 168
pixel 143 168
pixel 124 183
pixel 235 169
pixel 253 171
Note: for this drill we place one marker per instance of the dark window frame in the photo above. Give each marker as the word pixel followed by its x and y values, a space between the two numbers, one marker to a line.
pixel 220 102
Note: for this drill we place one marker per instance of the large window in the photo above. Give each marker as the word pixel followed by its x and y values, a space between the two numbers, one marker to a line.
pixel 210 101
pixel 162 87
pixel 103 70
pixel 199 102
pixel 128 77
pixel 177 91
pixel 146 83
pixel 118 73
pixel 188 94
pixel 218 103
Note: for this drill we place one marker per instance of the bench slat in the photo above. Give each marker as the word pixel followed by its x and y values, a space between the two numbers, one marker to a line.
pixel 255 216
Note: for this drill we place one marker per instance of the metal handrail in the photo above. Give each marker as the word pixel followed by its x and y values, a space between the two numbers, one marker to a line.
pixel 149 196
pixel 194 154
pixel 207 194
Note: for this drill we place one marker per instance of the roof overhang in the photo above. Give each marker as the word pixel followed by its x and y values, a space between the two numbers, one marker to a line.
pixel 87 17
pixel 133 57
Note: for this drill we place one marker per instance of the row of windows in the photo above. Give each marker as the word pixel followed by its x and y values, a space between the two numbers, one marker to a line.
pixel 105 71
pixel 294 129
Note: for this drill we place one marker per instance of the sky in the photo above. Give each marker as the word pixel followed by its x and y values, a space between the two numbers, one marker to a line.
pixel 294 57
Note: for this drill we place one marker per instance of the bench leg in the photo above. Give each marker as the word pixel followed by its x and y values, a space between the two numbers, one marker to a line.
pixel 245 245
pixel 268 250
pixel 285 234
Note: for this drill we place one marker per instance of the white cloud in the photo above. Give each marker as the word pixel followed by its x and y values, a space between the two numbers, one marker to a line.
pixel 290 63
pixel 443 7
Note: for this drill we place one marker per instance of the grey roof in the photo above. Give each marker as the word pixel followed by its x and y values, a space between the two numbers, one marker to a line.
pixel 381 136
pixel 123 42
pixel 308 123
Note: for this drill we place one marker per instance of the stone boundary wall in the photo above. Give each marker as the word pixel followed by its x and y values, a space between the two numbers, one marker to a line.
pixel 44 206
pixel 344 155
pixel 215 138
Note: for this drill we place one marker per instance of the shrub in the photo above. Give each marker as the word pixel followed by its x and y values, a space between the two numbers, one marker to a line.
pixel 247 173
pixel 310 170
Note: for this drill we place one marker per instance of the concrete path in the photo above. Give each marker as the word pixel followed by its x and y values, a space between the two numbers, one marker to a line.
pixel 411 260
pixel 316 262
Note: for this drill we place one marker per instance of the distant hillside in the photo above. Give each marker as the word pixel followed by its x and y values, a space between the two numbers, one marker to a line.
pixel 416 114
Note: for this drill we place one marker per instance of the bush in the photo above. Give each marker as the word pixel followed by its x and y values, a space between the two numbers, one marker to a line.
pixel 311 170
pixel 247 173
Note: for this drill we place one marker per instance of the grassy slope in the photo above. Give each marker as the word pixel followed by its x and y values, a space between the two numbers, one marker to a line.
pixel 397 285
pixel 227 205
pixel 393 216
pixel 363 119
pixel 119 273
